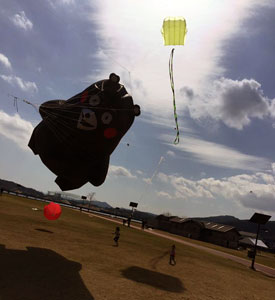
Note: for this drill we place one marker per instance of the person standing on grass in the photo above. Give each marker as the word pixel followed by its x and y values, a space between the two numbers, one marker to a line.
pixel 117 235
pixel 172 256
pixel 143 224
pixel 129 222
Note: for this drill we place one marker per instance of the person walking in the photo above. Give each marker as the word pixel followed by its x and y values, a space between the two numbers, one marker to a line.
pixel 117 235
pixel 172 256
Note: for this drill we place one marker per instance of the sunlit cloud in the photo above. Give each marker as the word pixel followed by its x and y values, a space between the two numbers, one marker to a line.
pixel 16 129
pixel 233 102
pixel 163 194
pixel 254 191
pixel 171 153
pixel 20 20
pixel 139 172
pixel 5 61
pixel 55 4
pixel 26 86
pixel 147 180
pixel 218 155
pixel 118 171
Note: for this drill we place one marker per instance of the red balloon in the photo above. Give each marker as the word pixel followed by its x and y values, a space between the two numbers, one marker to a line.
pixel 52 211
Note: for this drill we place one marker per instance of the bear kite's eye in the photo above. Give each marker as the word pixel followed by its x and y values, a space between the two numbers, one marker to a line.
pixel 94 100
pixel 106 118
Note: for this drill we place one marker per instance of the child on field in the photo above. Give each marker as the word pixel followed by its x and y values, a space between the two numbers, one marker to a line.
pixel 172 255
pixel 117 235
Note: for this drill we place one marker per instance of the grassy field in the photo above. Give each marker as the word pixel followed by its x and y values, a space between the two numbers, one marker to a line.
pixel 264 258
pixel 74 258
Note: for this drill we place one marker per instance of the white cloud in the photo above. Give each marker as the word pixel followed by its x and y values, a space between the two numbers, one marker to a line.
pixel 238 189
pixel 164 195
pixel 219 155
pixel 234 102
pixel 147 180
pixel 162 177
pixel 16 129
pixel 262 201
pixel 5 61
pixel 139 172
pixel 117 171
pixel 55 3
pixel 20 20
pixel 27 86
pixel 67 2
pixel 235 188
pixel 171 153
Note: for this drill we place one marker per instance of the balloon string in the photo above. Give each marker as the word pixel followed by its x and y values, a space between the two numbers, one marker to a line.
pixel 177 139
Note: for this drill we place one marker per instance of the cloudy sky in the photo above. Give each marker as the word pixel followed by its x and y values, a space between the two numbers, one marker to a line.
pixel 225 94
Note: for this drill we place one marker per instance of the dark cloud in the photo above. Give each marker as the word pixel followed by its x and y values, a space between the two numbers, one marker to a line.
pixel 234 102
pixel 187 92
pixel 239 101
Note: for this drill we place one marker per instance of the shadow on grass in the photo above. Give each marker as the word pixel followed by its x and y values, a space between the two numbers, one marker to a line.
pixel 43 230
pixel 38 273
pixel 153 278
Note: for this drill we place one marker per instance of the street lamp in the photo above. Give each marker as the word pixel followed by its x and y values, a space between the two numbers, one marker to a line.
pixel 259 219
pixel 133 205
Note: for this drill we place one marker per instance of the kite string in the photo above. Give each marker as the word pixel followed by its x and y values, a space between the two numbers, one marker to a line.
pixel 15 102
pixel 176 141
pixel 153 176
pixel 78 105
pixel 123 67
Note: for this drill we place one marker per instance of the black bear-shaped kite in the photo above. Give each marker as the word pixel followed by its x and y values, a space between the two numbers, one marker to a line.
pixel 76 137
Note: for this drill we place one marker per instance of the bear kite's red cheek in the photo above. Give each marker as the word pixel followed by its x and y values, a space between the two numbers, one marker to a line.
pixel 110 133
pixel 84 96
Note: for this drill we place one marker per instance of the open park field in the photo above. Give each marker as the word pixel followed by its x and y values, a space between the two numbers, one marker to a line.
pixel 264 258
pixel 74 258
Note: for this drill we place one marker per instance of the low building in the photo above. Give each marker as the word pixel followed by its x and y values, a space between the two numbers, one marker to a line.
pixel 162 222
pixel 219 234
pixel 186 227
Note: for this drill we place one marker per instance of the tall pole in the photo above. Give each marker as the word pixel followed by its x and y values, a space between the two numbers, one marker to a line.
pixel 255 248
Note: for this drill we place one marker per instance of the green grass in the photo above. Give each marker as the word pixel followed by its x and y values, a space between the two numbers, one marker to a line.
pixel 74 258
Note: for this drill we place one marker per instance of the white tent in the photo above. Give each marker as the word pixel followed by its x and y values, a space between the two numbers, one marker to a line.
pixel 251 242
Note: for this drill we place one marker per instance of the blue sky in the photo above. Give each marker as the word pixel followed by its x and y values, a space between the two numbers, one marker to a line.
pixel 225 93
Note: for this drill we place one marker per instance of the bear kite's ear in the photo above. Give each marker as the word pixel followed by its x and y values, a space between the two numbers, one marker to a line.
pixel 114 78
